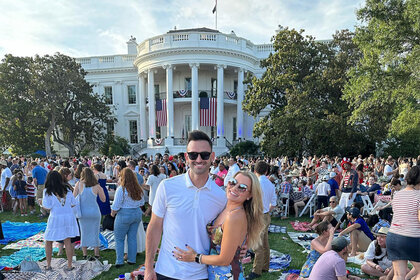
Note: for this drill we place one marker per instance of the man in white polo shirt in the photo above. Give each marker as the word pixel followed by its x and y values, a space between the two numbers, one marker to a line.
pixel 182 208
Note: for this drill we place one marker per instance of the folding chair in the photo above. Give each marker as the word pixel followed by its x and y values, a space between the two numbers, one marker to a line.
pixel 285 207
pixel 310 205
pixel 367 205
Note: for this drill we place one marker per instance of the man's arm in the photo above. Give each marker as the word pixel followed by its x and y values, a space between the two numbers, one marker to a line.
pixel 153 236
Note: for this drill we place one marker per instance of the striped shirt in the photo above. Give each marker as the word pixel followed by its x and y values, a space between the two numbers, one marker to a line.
pixel 406 206
pixel 30 190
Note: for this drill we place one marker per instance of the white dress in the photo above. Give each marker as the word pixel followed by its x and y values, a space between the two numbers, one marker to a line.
pixel 61 223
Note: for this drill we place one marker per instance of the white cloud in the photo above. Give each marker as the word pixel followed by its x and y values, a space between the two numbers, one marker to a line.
pixel 101 27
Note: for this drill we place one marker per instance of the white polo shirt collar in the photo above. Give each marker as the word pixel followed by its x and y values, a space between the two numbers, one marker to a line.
pixel 190 184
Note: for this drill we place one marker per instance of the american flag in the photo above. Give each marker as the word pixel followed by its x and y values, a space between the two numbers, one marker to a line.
pixel 208 107
pixel 161 112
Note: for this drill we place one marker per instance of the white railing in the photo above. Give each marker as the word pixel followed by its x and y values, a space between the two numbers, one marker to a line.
pixel 128 57
pixel 180 37
pixel 232 40
pixel 106 59
pixel 265 48
pixel 83 60
pixel 249 45
pixel 157 41
pixel 208 37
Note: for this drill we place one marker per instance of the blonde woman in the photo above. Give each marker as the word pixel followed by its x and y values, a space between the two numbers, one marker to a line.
pixel 241 221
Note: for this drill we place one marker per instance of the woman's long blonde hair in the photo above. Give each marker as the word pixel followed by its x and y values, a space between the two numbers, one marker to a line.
pixel 254 211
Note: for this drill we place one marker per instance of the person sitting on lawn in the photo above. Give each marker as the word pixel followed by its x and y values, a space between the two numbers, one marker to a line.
pixel 331 214
pixel 332 264
pixel 360 234
pixel 376 258
pixel 319 245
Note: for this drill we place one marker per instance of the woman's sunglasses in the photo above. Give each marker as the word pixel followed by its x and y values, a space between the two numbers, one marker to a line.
pixel 203 155
pixel 241 187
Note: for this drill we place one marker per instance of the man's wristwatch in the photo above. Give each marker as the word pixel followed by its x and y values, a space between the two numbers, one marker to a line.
pixel 198 258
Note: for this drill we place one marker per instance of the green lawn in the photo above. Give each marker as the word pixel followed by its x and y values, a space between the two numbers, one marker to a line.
pixel 276 242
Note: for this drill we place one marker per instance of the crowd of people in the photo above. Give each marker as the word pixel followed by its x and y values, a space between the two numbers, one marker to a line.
pixel 207 212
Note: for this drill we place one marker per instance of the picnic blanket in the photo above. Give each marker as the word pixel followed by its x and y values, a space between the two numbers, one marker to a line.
pixel 102 239
pixel 306 244
pixel 14 231
pixel 15 259
pixel 109 236
pixel 279 261
pixel 27 275
pixel 359 259
pixel 35 241
pixel 83 270
pixel 276 229
pixel 300 226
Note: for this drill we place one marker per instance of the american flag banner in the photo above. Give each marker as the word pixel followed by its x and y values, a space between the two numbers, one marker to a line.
pixel 161 115
pixel 208 111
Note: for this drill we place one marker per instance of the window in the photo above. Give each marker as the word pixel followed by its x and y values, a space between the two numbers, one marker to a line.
pixel 110 127
pixel 108 95
pixel 235 86
pixel 213 132
pixel 213 87
pixel 188 84
pixel 131 90
pixel 157 92
pixel 234 129
pixel 188 124
pixel 133 132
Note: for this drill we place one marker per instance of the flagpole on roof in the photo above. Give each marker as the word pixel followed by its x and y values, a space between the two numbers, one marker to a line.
pixel 215 11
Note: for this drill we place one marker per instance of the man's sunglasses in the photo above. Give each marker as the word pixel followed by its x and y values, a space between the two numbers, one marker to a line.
pixel 241 187
pixel 203 155
pixel 333 201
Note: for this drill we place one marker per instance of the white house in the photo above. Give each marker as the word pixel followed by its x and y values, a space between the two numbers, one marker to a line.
pixel 162 87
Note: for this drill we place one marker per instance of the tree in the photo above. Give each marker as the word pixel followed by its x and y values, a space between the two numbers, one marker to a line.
pixel 115 146
pixel 47 97
pixel 20 121
pixel 76 116
pixel 244 148
pixel 299 96
pixel 384 87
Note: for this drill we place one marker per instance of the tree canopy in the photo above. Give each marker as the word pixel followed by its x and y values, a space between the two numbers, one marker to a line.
pixel 300 96
pixel 384 87
pixel 48 97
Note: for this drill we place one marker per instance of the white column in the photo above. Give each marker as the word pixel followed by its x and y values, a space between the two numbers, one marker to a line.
pixel 152 106
pixel 142 105
pixel 239 111
pixel 170 106
pixel 220 107
pixel 194 95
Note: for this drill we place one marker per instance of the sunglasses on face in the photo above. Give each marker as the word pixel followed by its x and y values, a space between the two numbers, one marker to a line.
pixel 241 187
pixel 203 155
pixel 332 202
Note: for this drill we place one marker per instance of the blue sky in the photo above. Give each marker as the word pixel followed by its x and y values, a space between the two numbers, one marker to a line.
pixel 102 27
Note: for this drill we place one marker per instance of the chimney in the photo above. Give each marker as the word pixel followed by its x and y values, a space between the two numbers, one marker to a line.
pixel 132 45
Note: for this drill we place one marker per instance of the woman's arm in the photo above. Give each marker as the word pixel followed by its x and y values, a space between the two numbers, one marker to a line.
pixel 234 232
pixel 76 189
pixel 316 245
pixel 101 193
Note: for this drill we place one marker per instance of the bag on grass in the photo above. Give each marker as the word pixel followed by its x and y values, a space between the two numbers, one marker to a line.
pixel 108 222
pixel 29 265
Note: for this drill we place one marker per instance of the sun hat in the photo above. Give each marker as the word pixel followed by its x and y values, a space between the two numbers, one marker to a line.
pixel 383 231
pixel 339 243
pixel 3 162
pixel 325 178
pixel 333 174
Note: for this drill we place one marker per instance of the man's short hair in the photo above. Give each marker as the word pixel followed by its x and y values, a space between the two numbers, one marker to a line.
pixel 198 135
pixel 34 163
pixel 132 163
pixel 262 167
